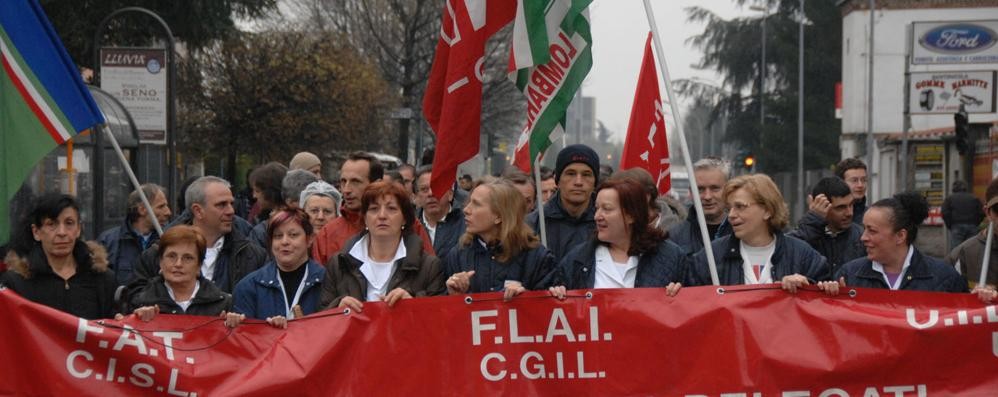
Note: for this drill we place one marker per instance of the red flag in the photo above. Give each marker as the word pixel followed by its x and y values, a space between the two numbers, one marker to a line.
pixel 452 103
pixel 646 146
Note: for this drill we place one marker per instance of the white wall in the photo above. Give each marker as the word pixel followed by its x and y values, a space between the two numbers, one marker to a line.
pixel 890 44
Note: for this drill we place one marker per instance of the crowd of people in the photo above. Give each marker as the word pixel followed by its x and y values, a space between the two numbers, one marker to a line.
pixel 302 245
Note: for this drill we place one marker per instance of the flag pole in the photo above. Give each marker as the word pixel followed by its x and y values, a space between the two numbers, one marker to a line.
pixel 131 176
pixel 540 200
pixel 682 144
pixel 987 255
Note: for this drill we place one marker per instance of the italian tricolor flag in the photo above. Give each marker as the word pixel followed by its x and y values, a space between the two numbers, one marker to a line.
pixel 552 54
pixel 43 102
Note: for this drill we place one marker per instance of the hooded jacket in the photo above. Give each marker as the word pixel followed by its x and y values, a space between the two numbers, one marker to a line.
pixel 88 294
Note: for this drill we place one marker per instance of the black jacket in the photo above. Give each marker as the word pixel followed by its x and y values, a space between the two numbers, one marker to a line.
pixel 665 264
pixel 209 300
pixel 924 274
pixel 839 248
pixel 564 231
pixel 962 208
pixel 533 268
pixel 791 256
pixel 687 234
pixel 238 258
pixel 88 294
pixel 124 246
pixel 858 209
pixel 448 232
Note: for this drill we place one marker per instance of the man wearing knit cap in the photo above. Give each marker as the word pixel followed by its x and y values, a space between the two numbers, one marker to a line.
pixel 308 162
pixel 568 215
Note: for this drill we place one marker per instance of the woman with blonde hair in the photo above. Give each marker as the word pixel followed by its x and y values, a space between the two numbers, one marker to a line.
pixel 499 251
pixel 758 252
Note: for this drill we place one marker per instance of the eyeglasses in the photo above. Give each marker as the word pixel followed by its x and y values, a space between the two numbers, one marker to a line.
pixel 173 257
pixel 856 180
pixel 739 207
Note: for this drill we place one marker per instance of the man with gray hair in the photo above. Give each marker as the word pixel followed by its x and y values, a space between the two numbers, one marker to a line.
pixel 229 257
pixel 711 174
pixel 126 242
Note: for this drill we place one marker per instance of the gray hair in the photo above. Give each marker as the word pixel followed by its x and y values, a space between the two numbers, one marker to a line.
pixel 713 163
pixel 135 201
pixel 195 192
pixel 321 188
pixel 294 182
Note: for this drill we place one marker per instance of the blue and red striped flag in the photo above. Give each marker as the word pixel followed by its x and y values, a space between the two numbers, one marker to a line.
pixel 43 102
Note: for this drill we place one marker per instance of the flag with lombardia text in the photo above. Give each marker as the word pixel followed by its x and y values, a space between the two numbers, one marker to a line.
pixel 552 54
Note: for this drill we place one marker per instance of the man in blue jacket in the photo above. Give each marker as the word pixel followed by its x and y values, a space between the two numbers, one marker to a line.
pixel 828 225
pixel 125 243
pixel 442 218
pixel 568 215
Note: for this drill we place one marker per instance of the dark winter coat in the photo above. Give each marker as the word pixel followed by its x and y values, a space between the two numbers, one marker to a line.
pixel 534 268
pixel 448 232
pixel 259 294
pixel 564 232
pixel 238 258
pixel 791 256
pixel 838 248
pixel 88 294
pixel 418 273
pixel 124 246
pixel 687 234
pixel 924 274
pixel 970 254
pixel 962 208
pixel 657 268
pixel 209 300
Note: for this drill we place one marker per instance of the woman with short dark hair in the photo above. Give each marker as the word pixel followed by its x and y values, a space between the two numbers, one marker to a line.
pixel 386 262
pixel 50 265
pixel 179 288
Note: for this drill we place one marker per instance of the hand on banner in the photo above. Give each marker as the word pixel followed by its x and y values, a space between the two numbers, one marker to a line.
pixel 396 295
pixel 146 313
pixel 558 291
pixel 986 294
pixel 792 282
pixel 512 288
pixel 673 289
pixel 232 320
pixel 352 303
pixel 278 322
pixel 459 282
pixel 297 311
pixel 819 205
pixel 832 287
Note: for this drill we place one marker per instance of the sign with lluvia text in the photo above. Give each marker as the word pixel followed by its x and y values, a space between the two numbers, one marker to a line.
pixel 137 77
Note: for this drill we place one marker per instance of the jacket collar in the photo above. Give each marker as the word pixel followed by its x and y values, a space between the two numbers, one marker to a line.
pixel 90 256
pixel 553 209
pixel 269 277
pixel 733 248
pixel 413 252
pixel 917 269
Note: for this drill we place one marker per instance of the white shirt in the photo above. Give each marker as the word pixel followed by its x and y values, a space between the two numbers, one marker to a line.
pixel 431 230
pixel 610 274
pixel 904 269
pixel 210 255
pixel 187 303
pixel 376 273
pixel 757 258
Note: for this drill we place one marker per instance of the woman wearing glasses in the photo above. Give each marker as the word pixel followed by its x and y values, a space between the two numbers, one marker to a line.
pixel 758 252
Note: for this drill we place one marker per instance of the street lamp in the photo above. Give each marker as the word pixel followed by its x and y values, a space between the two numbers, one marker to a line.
pixel 762 68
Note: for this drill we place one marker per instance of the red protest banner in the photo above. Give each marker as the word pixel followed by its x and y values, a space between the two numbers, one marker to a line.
pixel 745 342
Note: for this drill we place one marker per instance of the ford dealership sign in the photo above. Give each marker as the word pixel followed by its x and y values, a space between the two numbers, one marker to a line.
pixel 955 42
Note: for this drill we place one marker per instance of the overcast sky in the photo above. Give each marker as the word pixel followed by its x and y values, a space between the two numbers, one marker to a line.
pixel 619 29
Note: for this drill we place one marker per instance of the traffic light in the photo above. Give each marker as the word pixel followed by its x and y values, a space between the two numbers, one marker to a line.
pixel 962 124
pixel 749 162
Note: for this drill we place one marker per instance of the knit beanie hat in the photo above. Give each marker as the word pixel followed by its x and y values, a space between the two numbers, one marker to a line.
pixel 577 153
pixel 304 161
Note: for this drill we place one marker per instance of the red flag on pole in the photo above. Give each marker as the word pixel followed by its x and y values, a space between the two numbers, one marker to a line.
pixel 452 103
pixel 646 146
